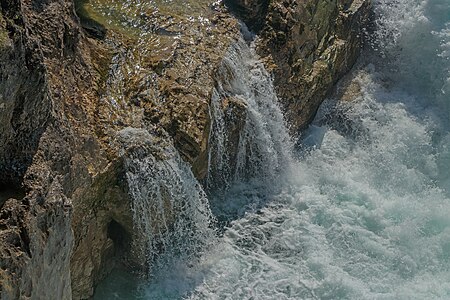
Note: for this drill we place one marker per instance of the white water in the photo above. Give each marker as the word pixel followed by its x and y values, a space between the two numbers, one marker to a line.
pixel 262 147
pixel 365 211
pixel 248 161
pixel 172 219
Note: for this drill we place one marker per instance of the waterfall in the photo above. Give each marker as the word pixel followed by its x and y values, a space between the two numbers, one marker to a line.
pixel 171 214
pixel 249 144
pixel 248 138
pixel 363 214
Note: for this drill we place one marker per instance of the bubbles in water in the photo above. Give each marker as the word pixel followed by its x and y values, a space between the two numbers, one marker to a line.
pixel 359 218
pixel 364 214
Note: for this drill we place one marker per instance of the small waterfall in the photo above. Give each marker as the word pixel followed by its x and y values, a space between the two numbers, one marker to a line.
pixel 170 209
pixel 249 138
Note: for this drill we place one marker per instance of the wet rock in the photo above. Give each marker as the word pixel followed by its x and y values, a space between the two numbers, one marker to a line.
pixel 164 67
pixel 309 46
pixel 63 98
pixel 69 83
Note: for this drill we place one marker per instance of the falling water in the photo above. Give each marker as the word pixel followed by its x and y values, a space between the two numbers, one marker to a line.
pixel 171 215
pixel 248 136
pixel 364 212
pixel 249 143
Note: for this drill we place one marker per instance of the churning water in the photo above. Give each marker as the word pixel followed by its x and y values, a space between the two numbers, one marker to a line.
pixel 364 211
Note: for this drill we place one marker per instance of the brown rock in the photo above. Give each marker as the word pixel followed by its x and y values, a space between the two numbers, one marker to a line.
pixel 63 98
pixel 69 83
pixel 309 46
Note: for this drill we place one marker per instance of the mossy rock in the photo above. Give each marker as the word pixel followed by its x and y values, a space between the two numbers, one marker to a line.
pixel 4 36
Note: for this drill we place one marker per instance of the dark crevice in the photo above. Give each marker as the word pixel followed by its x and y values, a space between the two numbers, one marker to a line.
pixel 93 28
pixel 10 190
pixel 253 14
pixel 120 237
pixel 10 10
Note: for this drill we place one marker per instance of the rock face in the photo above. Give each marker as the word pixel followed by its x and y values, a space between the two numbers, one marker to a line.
pixel 309 45
pixel 37 51
pixel 66 89
pixel 73 75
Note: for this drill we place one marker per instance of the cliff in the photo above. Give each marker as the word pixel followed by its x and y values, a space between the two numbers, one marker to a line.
pixel 307 45
pixel 73 75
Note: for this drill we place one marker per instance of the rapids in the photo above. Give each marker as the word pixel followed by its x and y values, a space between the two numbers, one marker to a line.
pixel 362 209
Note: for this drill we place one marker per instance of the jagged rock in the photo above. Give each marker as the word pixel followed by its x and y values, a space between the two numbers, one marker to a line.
pixel 309 46
pixel 51 129
pixel 178 51
pixel 38 43
pixel 69 83
pixel 63 97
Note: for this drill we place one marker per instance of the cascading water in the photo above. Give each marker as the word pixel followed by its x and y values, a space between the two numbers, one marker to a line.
pixel 172 220
pixel 170 210
pixel 254 143
pixel 249 143
pixel 364 213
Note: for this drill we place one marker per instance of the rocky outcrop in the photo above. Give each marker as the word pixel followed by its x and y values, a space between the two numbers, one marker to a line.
pixel 161 74
pixel 37 53
pixel 309 46
pixel 73 75
pixel 164 66
pixel 66 89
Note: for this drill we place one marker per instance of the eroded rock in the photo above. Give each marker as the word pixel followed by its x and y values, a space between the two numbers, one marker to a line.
pixel 69 83
pixel 309 46
pixel 63 97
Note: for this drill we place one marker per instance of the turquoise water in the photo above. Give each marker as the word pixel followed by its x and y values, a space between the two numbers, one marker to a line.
pixel 363 210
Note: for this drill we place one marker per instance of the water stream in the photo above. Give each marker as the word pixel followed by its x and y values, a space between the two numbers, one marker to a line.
pixel 361 210
pixel 249 143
